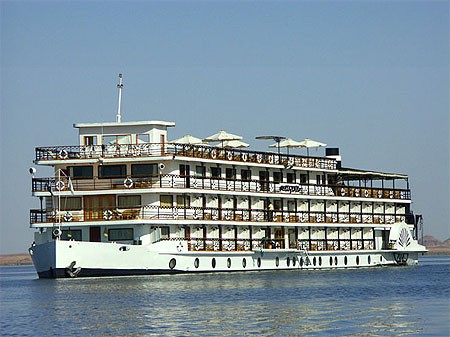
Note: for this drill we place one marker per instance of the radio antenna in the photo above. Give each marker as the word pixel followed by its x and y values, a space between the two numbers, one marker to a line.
pixel 119 86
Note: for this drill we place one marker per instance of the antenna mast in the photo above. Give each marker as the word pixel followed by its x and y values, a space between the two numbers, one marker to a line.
pixel 119 86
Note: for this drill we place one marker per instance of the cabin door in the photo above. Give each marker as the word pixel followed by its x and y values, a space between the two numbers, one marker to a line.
pixel 95 207
pixel 94 234
pixel 185 172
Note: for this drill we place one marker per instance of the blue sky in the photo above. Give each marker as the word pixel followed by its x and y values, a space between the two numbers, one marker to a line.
pixel 370 77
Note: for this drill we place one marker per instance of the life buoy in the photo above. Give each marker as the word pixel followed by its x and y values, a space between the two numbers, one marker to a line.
pixel 216 245
pixel 68 216
pixel 57 232
pixel 244 156
pixel 128 183
pixel 63 154
pixel 213 154
pixel 357 192
pixel 229 156
pixel 229 246
pixel 107 215
pixel 259 158
pixel 60 185
pixel 246 245
pixel 197 245
pixel 196 214
pixel 391 194
pixel 366 193
pixel 343 191
pixel 380 194
pixel 271 159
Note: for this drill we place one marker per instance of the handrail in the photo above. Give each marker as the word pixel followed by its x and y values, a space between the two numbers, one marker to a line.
pixel 240 215
pixel 220 184
pixel 185 150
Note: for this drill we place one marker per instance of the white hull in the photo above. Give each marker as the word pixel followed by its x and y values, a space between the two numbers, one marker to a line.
pixel 59 258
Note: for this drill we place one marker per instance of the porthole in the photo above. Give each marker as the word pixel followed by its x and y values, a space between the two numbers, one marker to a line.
pixel 213 262
pixel 259 262
pixel 172 263
pixel 345 260
pixel 381 259
pixel 331 260
pixel 277 261
pixel 357 260
pixel 368 259
pixel 288 261
pixel 320 260
pixel 335 260
pixel 314 261
pixel 294 261
pixel 229 263
pixel 196 262
pixel 244 262
pixel 301 262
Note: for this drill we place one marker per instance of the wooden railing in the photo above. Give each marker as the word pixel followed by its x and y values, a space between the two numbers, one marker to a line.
pixel 216 214
pixel 219 184
pixel 196 151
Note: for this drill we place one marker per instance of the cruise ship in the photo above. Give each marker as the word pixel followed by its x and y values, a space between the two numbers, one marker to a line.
pixel 128 201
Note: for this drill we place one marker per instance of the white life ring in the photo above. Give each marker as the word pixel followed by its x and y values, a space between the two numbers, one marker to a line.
pixel 128 183
pixel 391 194
pixel 246 245
pixel 216 245
pixel 60 185
pixel 366 193
pixel 342 191
pixel 57 232
pixel 196 215
pixel 357 192
pixel 259 158
pixel 68 216
pixel 107 215
pixel 244 156
pixel 229 246
pixel 63 154
pixel 380 193
pixel 197 245
pixel 213 154
pixel 229 155
pixel 271 159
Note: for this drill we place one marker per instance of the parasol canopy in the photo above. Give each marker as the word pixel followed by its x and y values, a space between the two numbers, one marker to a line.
pixel 234 144
pixel 221 136
pixel 287 143
pixel 308 143
pixel 188 139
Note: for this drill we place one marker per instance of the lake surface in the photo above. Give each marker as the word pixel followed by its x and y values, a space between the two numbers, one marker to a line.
pixel 406 301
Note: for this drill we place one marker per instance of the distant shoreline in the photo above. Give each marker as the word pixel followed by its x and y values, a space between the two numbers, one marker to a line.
pixel 25 259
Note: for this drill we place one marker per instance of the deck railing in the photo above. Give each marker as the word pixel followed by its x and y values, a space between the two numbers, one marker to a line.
pixel 219 184
pixel 215 214
pixel 196 151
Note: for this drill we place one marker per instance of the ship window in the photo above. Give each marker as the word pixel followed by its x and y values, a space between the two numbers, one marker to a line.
pixel 200 171
pixel 183 201
pixel 318 179
pixel 71 204
pixel 129 201
pixel 120 234
pixel 144 170
pixel 290 178
pixel 165 232
pixel 303 178
pixel 89 140
pixel 112 171
pixel 278 177
pixel 230 173
pixel 246 175
pixel 215 172
pixel 81 172
pixel 166 200
pixel 277 205
pixel 74 234
pixel 143 138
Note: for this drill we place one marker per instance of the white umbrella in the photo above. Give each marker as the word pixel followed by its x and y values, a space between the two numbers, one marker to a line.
pixel 287 143
pixel 311 143
pixel 187 139
pixel 234 144
pixel 221 136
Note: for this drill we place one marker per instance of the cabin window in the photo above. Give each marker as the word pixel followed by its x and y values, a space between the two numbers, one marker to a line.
pixel 290 177
pixel 166 200
pixel 216 172
pixel 277 205
pixel 143 138
pixel 71 204
pixel 112 171
pixel 165 232
pixel 303 178
pixel 144 170
pixel 81 172
pixel 200 171
pixel 183 201
pixel 120 234
pixel 230 173
pixel 278 177
pixel 71 234
pixel 246 175
pixel 129 201
pixel 318 179
pixel 89 140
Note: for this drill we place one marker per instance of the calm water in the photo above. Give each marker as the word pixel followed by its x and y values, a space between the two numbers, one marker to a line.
pixel 410 301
